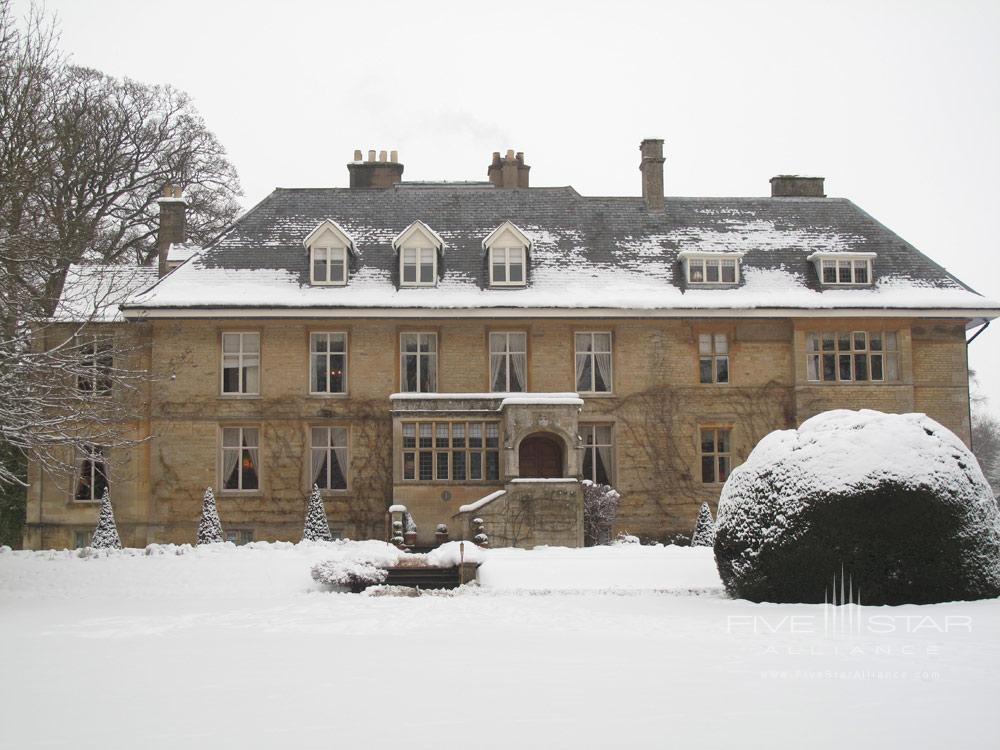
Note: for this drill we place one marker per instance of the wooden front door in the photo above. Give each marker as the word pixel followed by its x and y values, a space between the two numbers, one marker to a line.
pixel 539 457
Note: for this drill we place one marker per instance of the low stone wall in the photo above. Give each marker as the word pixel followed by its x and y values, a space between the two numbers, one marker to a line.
pixel 532 513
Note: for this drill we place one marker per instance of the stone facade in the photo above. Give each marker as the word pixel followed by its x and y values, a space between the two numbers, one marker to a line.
pixel 655 410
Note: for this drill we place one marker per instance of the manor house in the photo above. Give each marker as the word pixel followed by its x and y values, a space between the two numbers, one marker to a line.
pixel 478 349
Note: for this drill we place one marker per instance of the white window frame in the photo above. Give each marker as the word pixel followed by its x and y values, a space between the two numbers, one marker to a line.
pixel 508 352
pixel 592 354
pixel 420 260
pixel 96 365
pixel 702 261
pixel 713 348
pixel 849 262
pixel 717 455
pixel 93 456
pixel 830 344
pixel 327 355
pixel 242 355
pixel 591 447
pixel 332 253
pixel 240 447
pixel 329 447
pixel 506 263
pixel 403 354
pixel 447 439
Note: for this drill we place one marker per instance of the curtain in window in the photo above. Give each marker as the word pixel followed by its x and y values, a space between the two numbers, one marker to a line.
pixel 519 364
pixel 230 457
pixel 339 469
pixel 429 373
pixel 497 372
pixel 583 372
pixel 319 467
pixel 603 473
pixel 603 360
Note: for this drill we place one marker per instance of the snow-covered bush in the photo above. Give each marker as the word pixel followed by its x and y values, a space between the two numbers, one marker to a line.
pixel 209 527
pixel 600 509
pixel 704 529
pixel 479 535
pixel 105 536
pixel 355 575
pixel 317 528
pixel 895 501
pixel 625 538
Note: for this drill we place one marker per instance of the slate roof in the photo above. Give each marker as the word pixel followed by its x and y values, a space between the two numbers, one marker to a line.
pixel 588 252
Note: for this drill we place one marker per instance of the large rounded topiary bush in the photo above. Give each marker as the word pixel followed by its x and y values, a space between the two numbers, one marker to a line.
pixel 894 501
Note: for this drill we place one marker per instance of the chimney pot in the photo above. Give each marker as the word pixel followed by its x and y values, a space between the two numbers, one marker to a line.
pixel 357 154
pixel 651 167
pixel 373 173
pixel 510 153
pixel 394 157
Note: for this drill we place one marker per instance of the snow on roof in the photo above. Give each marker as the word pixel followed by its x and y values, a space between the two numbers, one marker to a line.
pixel 94 292
pixel 178 252
pixel 588 253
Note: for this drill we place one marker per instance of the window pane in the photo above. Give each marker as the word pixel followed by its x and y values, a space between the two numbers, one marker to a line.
pixel 876 367
pixel 409 435
pixel 251 343
pixel 458 465
pixel 231 380
pixel 860 367
pixel 705 369
pixel 812 367
pixel 426 466
pixel 409 274
pixel 499 273
pixel 812 342
pixel 337 372
pixel 707 469
pixel 458 435
pixel 230 342
pixel 441 438
pixel 498 342
pixel 860 341
pixel 442 465
pixel 723 468
pixel 707 441
pixel 722 437
pixel 319 380
pixel 475 465
pixel 409 466
pixel 249 437
pixel 426 435
pixel 584 364
pixel 588 464
pixel 711 271
pixel 729 271
pixel 426 273
pixel 844 272
pixel 890 342
pixel 337 270
pixel 320 468
pixel 828 342
pixel 844 342
pixel 722 369
pixel 583 342
pixel 518 364
pixel 232 480
pixel 492 435
pixel 319 264
pixel 231 437
pixel 845 366
pixel 721 346
pixel 475 435
pixel 829 272
pixel 829 367
pixel 516 272
pixel 251 379
pixel 892 367
pixel 492 465
pixel 875 341
pixel 860 272
pixel 602 434
pixel 705 343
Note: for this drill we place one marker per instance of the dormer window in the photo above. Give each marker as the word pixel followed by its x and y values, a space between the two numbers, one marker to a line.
pixel 420 248
pixel 419 266
pixel 329 265
pixel 711 268
pixel 507 248
pixel 843 269
pixel 507 266
pixel 329 248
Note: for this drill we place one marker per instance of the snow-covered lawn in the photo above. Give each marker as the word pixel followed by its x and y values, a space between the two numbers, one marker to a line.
pixel 612 647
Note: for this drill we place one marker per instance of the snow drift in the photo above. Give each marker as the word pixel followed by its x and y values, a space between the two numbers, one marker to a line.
pixel 894 502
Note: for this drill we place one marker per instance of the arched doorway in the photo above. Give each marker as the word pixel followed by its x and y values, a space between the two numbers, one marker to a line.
pixel 539 457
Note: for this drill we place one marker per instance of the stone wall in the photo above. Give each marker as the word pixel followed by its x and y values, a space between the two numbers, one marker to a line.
pixel 655 412
pixel 531 514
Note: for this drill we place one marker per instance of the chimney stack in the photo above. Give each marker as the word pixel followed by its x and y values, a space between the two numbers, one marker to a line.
pixel 173 223
pixel 509 171
pixel 796 186
pixel 381 170
pixel 651 167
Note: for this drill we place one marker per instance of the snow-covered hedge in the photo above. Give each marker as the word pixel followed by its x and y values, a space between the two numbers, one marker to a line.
pixel 894 501
pixel 350 574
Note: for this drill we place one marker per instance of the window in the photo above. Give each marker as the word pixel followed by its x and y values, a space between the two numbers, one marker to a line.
pixel 241 363
pixel 240 458
pixel 451 451
pixel 419 266
pixel 593 362
pixel 597 452
pixel 329 265
pixel 81 538
pixel 846 271
pixel 239 536
pixel 418 362
pixel 96 363
pixel 713 358
pixel 852 357
pixel 508 362
pixel 707 270
pixel 507 266
pixel 328 363
pixel 716 458
pixel 93 477
pixel 329 458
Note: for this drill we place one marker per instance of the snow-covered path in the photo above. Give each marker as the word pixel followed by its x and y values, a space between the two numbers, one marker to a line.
pixel 239 648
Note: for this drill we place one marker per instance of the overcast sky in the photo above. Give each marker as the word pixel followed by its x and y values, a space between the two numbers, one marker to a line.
pixel 897 104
